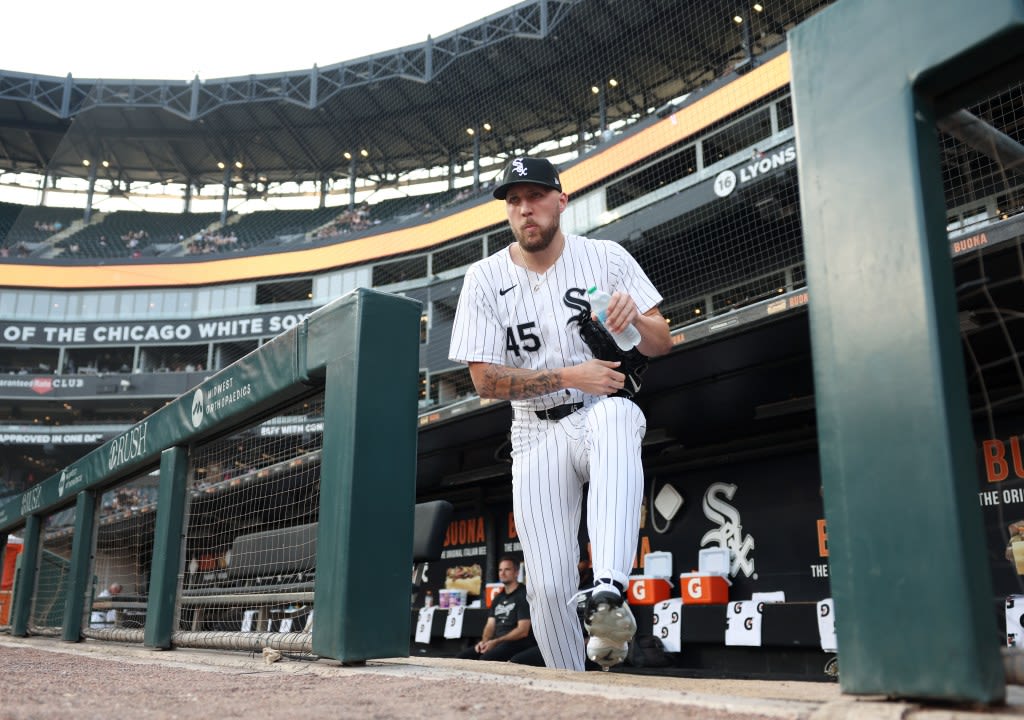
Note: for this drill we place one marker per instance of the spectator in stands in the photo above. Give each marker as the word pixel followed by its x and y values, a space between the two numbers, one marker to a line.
pixel 508 630
pixel 47 227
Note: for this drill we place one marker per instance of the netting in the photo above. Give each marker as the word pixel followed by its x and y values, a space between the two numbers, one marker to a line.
pixel 122 558
pixel 250 545
pixel 671 124
pixel 983 164
pixel 52 574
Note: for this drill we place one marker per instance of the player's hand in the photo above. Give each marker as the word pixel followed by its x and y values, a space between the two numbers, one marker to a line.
pixel 621 311
pixel 597 377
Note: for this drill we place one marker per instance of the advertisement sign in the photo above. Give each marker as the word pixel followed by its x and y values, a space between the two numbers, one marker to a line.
pixel 148 333
pixel 463 559
pixel 1001 499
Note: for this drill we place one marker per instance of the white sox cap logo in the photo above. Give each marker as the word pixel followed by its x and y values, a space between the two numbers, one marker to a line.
pixel 539 171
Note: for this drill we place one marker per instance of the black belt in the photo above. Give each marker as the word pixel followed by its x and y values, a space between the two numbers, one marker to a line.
pixel 559 411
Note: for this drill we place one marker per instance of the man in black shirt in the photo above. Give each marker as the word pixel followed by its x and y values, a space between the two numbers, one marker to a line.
pixel 507 631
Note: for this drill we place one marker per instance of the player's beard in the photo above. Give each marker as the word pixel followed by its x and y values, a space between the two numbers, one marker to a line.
pixel 535 238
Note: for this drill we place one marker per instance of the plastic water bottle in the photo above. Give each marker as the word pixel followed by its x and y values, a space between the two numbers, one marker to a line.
pixel 628 338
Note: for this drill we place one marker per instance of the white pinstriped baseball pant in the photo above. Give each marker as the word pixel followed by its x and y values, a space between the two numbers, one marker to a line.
pixel 551 463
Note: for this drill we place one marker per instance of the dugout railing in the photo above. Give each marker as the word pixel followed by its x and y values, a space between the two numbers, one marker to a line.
pixel 907 437
pixel 160 507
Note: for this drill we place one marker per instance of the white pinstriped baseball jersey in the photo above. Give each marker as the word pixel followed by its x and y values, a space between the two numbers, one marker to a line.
pixel 511 316
pixel 508 315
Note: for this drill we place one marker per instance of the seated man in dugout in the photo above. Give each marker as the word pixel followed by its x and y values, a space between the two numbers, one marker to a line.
pixel 105 618
pixel 507 630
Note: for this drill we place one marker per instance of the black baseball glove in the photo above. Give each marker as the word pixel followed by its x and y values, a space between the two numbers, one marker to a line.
pixel 603 345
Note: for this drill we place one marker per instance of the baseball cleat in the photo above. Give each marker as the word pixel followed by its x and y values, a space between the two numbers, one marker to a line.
pixel 609 617
pixel 610 624
pixel 606 653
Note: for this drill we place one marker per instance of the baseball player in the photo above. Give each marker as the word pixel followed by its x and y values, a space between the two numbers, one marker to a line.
pixel 518 327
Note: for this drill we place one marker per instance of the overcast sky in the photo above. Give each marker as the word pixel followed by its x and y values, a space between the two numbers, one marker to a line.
pixel 136 39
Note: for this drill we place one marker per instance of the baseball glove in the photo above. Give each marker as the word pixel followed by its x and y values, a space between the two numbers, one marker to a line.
pixel 604 347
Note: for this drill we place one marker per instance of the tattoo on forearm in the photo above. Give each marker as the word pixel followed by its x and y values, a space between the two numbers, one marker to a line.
pixel 516 384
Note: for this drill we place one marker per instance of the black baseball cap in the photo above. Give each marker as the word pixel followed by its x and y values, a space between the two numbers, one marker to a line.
pixel 527 170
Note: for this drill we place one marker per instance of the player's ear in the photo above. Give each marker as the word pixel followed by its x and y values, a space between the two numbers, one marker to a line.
pixel 563 201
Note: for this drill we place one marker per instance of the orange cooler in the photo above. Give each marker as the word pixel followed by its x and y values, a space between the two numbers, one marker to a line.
pixel 491 591
pixel 698 589
pixel 647 590
pixel 10 553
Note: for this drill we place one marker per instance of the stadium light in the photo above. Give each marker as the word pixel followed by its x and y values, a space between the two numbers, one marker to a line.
pixel 238 164
pixel 106 163
pixel 737 19
pixel 758 7
pixel 86 162
pixel 364 153
pixel 347 155
pixel 220 166
pixel 470 131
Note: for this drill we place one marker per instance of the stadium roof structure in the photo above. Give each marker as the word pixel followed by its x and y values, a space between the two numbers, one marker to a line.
pixel 519 70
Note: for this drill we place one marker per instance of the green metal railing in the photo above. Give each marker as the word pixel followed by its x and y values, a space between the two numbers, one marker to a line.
pixel 362 352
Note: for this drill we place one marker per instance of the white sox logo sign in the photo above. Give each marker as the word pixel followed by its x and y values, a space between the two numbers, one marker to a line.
pixel 518 168
pixel 730 531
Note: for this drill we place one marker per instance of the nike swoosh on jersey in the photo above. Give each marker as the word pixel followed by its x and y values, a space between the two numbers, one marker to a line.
pixel 507 290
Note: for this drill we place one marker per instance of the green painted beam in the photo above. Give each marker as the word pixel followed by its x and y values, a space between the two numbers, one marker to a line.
pixel 908 567
pixel 368 475
pixel 168 536
pixel 80 577
pixel 24 587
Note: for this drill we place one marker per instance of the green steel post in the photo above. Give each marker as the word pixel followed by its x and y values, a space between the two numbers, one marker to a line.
pixel 80 578
pixel 908 571
pixel 170 517
pixel 25 588
pixel 3 557
pixel 370 347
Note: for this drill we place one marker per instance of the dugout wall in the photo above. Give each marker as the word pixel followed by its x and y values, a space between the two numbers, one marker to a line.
pixel 360 355
pixel 888 308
